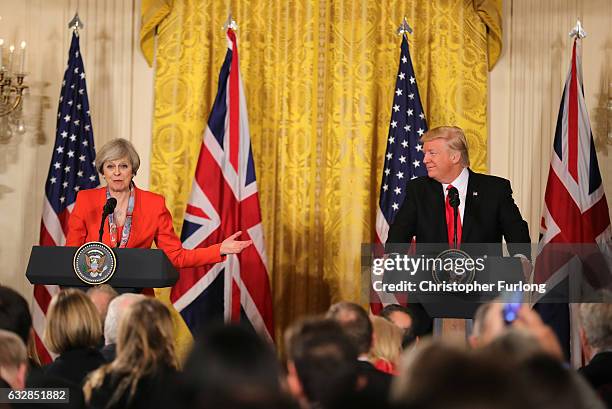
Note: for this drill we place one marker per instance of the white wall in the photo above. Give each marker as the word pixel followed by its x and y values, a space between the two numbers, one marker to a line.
pixel 526 86
pixel 120 88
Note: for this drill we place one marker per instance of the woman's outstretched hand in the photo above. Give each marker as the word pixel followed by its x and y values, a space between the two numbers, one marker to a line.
pixel 233 246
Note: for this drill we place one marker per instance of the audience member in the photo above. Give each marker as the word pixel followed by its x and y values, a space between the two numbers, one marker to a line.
pixel 73 331
pixel 356 324
pixel 387 345
pixel 13 359
pixel 15 317
pixel 521 350
pixel 443 375
pixel 145 362
pixel 116 310
pixel 101 295
pixel 321 364
pixel 412 318
pixel 596 339
pixel 231 367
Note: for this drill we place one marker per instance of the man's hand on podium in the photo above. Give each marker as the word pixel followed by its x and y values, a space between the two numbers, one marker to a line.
pixel 527 267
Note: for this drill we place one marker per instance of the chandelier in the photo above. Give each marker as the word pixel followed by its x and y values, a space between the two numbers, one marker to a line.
pixel 12 87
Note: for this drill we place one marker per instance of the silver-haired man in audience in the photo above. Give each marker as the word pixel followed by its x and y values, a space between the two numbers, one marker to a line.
pixel 116 311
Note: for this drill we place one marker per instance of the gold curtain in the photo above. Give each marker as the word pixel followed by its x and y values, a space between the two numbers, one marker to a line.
pixel 319 78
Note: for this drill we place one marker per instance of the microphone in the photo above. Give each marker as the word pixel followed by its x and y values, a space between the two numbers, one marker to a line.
pixel 454 201
pixel 453 197
pixel 111 203
pixel 108 208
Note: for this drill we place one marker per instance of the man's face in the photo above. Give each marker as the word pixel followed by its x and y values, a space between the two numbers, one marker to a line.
pixel 442 164
pixel 401 319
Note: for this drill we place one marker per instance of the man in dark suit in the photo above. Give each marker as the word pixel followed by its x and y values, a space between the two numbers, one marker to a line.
pixel 596 340
pixel 374 385
pixel 486 211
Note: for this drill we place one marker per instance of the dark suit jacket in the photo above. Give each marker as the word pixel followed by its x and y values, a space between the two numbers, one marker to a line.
pixel 599 374
pixel 109 352
pixel 75 365
pixel 490 214
pixel 378 384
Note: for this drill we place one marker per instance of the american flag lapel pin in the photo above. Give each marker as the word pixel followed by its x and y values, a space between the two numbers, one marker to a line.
pixel 474 194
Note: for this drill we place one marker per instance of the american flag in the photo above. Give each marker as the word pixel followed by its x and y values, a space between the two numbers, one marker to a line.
pixel 224 199
pixel 72 169
pixel 404 154
pixel 575 207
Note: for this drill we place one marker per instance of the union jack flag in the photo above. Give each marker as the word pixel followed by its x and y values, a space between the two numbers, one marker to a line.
pixel 404 154
pixel 224 199
pixel 72 169
pixel 575 208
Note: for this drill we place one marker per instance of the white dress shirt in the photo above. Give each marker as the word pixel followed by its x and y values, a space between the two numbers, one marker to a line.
pixel 461 183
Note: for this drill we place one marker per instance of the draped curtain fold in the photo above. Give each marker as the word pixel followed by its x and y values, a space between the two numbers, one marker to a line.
pixel 319 80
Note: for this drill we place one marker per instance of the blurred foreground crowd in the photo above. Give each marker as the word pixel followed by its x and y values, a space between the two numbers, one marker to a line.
pixel 117 351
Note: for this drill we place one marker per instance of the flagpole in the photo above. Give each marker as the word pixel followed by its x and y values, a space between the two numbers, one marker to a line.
pixel 404 28
pixel 76 23
pixel 578 32
pixel 230 23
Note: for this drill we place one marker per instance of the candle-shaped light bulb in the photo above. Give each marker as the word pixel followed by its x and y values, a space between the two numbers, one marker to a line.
pixel 10 62
pixel 23 54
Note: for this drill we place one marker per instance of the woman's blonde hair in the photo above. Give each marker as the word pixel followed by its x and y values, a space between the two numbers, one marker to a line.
pixel 117 149
pixel 387 340
pixel 145 345
pixel 455 140
pixel 72 322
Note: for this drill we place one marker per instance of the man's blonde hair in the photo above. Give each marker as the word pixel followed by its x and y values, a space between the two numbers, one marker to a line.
pixel 455 140
pixel 72 322
pixel 13 352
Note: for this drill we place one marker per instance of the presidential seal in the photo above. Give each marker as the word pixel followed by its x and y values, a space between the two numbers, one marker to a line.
pixel 453 266
pixel 94 263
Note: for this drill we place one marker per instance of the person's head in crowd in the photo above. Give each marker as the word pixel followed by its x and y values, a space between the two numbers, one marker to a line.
pixel 399 315
pixel 13 359
pixel 387 345
pixel 412 318
pixel 101 295
pixel 73 322
pixel 549 385
pixel 356 324
pixel 596 328
pixel 514 345
pixel 15 317
pixel 439 374
pixel 230 366
pixel 321 362
pixel 116 310
pixel 14 313
pixel 144 348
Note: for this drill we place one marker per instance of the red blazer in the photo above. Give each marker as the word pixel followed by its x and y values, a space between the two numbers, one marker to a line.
pixel 151 220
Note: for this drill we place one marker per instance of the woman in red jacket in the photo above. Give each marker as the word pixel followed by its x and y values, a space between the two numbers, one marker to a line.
pixel 140 217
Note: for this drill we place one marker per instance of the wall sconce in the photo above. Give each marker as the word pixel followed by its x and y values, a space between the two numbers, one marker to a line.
pixel 12 89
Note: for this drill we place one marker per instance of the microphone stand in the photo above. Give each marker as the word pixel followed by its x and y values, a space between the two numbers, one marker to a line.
pixel 455 208
pixel 104 215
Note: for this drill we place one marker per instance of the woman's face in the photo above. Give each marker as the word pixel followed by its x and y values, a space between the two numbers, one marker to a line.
pixel 118 174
